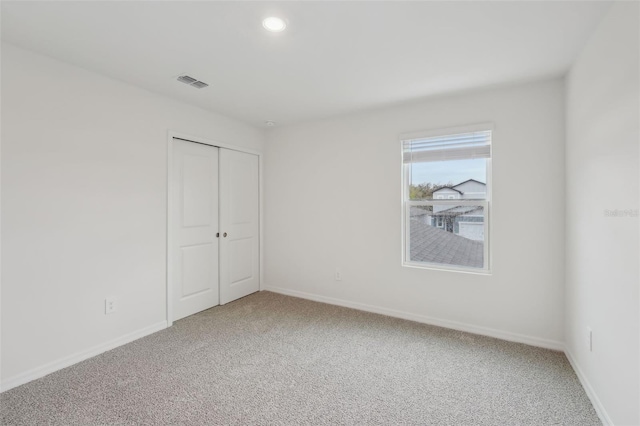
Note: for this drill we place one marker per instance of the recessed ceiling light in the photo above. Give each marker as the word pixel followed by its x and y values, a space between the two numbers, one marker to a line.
pixel 274 24
pixel 270 123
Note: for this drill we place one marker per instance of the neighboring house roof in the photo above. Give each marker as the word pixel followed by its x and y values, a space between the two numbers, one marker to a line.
pixel 429 244
pixel 449 188
pixel 469 180
pixel 417 211
pixel 453 188
pixel 458 211
pixel 452 211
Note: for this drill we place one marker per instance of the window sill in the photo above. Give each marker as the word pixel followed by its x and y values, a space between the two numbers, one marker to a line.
pixel 434 267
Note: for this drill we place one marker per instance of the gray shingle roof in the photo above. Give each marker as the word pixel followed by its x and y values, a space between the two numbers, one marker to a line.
pixel 417 211
pixel 430 244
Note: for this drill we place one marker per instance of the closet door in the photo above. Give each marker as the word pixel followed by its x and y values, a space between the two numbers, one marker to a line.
pixel 239 225
pixel 195 224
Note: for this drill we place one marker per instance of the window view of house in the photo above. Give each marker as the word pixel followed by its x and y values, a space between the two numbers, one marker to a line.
pixel 446 200
pixel 466 221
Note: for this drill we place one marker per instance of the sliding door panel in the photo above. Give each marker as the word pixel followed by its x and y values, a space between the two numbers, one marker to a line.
pixel 239 225
pixel 195 224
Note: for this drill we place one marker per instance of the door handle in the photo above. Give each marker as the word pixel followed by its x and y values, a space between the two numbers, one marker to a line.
pixel 224 235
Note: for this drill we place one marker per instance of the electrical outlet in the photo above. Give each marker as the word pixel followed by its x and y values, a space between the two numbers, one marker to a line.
pixel 589 339
pixel 110 305
pixel 338 275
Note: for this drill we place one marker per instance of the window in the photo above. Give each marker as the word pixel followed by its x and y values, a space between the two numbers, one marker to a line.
pixel 446 196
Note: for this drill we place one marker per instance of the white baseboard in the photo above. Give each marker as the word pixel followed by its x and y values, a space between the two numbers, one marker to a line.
pixel 595 401
pixel 469 328
pixel 67 361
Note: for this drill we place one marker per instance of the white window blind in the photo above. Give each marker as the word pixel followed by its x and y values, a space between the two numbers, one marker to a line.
pixel 449 147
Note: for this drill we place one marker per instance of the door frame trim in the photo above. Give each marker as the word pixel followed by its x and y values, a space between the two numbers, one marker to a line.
pixel 171 135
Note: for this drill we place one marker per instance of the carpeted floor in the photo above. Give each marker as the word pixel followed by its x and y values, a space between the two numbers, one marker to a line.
pixel 273 359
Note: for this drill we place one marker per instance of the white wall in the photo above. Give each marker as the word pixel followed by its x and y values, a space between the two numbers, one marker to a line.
pixel 603 252
pixel 333 200
pixel 84 183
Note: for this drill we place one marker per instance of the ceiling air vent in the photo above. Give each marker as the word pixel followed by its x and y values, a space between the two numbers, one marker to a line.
pixel 192 81
pixel 199 84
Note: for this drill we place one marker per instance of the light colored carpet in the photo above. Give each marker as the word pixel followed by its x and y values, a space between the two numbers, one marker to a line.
pixel 273 359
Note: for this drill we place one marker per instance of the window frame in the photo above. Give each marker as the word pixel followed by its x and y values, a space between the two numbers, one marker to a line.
pixel 407 204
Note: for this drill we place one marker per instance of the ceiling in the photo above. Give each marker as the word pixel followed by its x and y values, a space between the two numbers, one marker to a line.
pixel 333 58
